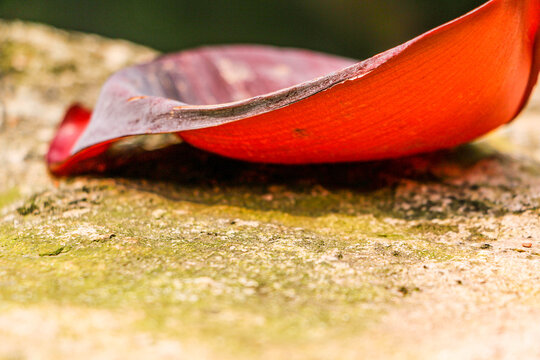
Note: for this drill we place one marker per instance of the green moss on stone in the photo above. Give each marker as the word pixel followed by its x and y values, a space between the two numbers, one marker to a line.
pixel 249 278
pixel 14 57
pixel 8 197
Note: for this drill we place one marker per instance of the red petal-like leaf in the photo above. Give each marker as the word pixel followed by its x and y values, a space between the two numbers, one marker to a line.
pixel 441 89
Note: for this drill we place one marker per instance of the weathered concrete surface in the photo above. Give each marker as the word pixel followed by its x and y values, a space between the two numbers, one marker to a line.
pixel 186 255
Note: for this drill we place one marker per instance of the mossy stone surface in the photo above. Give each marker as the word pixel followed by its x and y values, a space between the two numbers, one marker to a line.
pixel 183 254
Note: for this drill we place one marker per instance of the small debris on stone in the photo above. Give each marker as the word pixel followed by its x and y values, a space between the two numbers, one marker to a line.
pixel 158 214
pixel 527 245
pixel 403 290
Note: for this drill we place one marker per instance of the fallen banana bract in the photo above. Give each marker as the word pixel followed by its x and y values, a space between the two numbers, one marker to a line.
pixel 288 106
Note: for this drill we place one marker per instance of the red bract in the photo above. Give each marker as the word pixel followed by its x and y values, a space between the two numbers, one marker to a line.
pixel 264 104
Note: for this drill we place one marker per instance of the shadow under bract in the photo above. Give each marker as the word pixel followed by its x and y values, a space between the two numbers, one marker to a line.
pixel 181 172
pixel 186 165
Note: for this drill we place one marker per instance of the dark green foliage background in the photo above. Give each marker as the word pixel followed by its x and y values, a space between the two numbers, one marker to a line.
pixel 354 28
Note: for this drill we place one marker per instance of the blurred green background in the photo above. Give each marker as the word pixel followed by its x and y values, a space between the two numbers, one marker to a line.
pixel 354 28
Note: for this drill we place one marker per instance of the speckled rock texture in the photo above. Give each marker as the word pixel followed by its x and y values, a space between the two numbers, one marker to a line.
pixel 186 255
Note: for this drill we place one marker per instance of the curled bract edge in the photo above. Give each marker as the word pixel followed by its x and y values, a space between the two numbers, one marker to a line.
pixel 289 106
